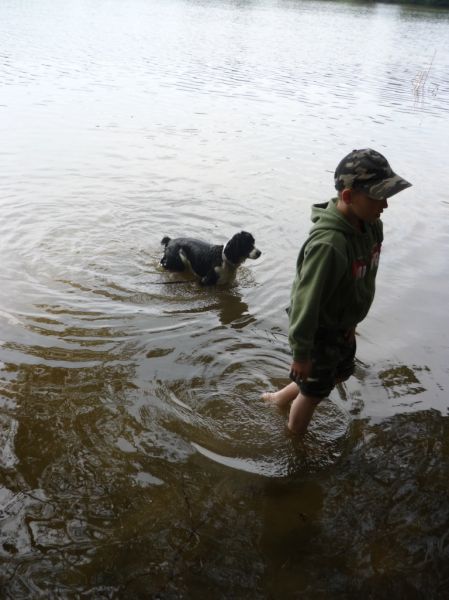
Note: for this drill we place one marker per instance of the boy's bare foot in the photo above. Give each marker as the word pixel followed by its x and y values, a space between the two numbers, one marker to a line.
pixel 275 398
pixel 282 397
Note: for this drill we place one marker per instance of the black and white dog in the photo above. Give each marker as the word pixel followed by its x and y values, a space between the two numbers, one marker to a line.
pixel 213 264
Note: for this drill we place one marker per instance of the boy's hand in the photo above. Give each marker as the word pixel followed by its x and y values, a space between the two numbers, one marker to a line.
pixel 300 370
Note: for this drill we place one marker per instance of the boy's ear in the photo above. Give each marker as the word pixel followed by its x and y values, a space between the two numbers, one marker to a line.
pixel 346 195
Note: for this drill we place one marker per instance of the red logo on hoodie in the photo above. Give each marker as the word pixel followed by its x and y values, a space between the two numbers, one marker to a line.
pixel 375 256
pixel 360 266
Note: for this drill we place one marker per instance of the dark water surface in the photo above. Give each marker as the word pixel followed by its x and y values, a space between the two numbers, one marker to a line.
pixel 136 459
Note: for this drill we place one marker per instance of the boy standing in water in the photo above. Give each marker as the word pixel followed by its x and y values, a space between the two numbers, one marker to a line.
pixel 335 282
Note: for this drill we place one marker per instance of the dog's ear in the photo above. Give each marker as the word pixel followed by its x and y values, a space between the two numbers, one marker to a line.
pixel 245 242
pixel 247 237
pixel 239 247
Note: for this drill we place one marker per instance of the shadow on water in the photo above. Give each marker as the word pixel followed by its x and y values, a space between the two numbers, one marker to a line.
pixel 104 495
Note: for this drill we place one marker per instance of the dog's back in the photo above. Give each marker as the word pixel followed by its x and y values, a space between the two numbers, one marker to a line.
pixel 196 255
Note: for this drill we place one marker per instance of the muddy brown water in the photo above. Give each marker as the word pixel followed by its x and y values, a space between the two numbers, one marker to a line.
pixel 136 459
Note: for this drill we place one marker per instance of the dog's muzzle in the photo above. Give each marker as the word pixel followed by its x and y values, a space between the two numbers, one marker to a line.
pixel 255 253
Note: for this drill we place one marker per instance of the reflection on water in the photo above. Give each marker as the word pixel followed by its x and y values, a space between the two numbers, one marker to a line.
pixel 402 381
pixel 378 522
pixel 136 457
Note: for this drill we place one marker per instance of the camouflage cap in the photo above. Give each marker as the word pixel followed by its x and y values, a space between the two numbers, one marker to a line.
pixel 368 171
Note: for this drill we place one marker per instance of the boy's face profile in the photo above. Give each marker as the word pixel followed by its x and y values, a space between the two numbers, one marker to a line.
pixel 357 205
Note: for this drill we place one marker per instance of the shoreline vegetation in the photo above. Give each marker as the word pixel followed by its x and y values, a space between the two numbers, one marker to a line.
pixel 417 3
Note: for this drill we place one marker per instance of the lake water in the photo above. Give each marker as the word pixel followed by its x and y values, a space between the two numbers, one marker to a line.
pixel 136 458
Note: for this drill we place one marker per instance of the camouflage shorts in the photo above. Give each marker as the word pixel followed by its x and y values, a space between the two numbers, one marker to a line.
pixel 332 360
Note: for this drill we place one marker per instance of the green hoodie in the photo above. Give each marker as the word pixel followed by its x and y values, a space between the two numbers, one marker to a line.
pixel 335 277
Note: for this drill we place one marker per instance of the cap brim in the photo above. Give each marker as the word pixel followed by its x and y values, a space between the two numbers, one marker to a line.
pixel 387 187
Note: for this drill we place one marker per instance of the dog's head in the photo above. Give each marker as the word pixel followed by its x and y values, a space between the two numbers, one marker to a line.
pixel 240 247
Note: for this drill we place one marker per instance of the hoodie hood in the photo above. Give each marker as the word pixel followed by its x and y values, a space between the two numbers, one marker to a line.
pixel 326 216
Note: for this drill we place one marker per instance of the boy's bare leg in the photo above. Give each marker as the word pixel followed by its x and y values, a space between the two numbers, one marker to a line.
pixel 301 412
pixel 282 397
